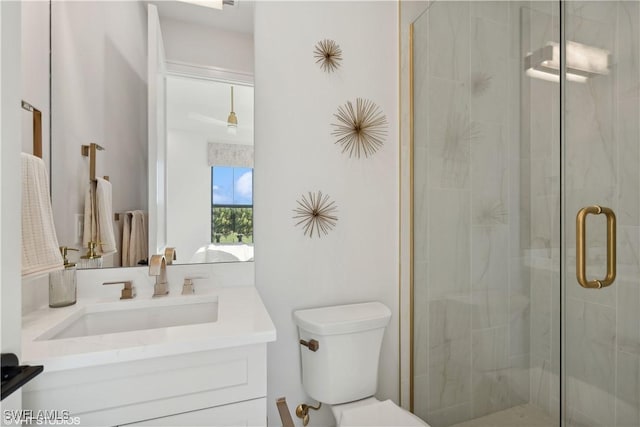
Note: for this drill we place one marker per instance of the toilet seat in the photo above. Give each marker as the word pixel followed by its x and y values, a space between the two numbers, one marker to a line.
pixel 372 412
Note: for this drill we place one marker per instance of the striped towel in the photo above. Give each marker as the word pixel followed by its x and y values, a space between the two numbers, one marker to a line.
pixel 98 217
pixel 40 252
pixel 134 238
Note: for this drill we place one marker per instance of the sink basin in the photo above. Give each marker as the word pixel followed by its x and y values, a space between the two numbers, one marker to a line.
pixel 118 317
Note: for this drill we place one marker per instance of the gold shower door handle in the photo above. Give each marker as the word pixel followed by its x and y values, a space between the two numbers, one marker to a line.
pixel 581 250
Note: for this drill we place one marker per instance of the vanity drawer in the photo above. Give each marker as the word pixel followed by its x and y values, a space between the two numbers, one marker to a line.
pixel 249 413
pixel 143 389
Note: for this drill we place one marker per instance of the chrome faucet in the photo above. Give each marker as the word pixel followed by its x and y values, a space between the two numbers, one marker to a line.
pixel 158 268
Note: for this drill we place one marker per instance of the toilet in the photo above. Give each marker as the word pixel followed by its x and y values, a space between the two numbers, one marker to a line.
pixel 340 351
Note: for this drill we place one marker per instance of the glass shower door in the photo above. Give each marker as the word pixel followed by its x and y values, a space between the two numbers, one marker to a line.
pixel 485 215
pixel 601 169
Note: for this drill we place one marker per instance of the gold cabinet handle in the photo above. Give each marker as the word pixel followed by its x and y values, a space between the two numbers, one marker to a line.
pixel 581 250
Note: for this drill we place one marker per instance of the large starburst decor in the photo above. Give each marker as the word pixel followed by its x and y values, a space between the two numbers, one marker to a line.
pixel 328 54
pixel 315 213
pixel 360 129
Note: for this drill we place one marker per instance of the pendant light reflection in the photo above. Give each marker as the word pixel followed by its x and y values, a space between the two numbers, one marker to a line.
pixel 232 120
pixel 583 62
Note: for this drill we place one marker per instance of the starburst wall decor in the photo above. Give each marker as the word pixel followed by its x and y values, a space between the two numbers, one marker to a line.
pixel 328 54
pixel 316 213
pixel 360 130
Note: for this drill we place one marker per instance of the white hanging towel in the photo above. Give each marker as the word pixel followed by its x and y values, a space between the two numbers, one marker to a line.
pixel 134 238
pixel 126 238
pixel 138 243
pixel 40 252
pixel 98 217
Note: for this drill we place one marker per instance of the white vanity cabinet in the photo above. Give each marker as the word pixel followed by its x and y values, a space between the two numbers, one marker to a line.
pixel 208 388
pixel 249 413
pixel 208 374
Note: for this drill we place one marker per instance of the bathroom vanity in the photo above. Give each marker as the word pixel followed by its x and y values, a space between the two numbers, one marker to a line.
pixel 177 360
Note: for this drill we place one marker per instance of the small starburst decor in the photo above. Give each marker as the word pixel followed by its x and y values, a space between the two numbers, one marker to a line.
pixel 315 213
pixel 360 130
pixel 328 54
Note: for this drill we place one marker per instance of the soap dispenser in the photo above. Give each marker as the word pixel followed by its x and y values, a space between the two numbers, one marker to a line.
pixel 62 283
pixel 91 259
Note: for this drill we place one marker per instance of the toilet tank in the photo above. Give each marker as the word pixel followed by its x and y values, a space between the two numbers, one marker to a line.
pixel 344 368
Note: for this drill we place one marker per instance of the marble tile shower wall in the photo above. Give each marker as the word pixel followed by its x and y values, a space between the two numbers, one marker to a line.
pixel 602 167
pixel 540 138
pixel 603 338
pixel 487 282
pixel 471 353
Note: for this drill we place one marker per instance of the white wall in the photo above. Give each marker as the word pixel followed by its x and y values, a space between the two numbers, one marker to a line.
pixel 207 46
pixel 188 193
pixel 35 72
pixel 99 94
pixel 295 153
pixel 10 189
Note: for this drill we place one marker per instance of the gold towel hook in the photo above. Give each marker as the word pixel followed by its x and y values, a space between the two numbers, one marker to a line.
pixel 90 151
pixel 37 127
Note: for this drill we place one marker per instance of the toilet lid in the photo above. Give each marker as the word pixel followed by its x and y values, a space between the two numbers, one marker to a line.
pixel 385 413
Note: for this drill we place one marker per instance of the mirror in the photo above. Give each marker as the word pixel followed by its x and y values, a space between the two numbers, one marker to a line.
pixel 101 93
pixel 210 214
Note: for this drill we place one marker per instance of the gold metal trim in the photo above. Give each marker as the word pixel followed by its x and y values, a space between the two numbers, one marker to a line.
pixel 302 411
pixel 400 294
pixel 312 345
pixel 128 291
pixel 232 120
pixel 283 410
pixel 170 255
pixel 92 252
pixel 581 250
pixel 37 127
pixel 90 151
pixel 411 222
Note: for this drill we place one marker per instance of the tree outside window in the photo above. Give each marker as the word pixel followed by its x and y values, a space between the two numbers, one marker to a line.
pixel 231 204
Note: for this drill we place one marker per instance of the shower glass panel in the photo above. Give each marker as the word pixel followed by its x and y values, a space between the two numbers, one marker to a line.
pixel 601 167
pixel 525 219
pixel 486 215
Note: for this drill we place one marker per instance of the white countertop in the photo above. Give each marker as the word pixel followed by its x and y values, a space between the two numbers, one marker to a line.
pixel 242 320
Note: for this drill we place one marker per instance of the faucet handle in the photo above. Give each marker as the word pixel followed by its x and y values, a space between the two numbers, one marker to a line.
pixel 187 286
pixel 128 291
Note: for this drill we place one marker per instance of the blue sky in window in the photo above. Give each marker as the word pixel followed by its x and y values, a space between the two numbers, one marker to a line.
pixel 231 186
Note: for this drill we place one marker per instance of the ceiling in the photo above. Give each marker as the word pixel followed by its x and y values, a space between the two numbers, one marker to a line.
pixel 237 18
pixel 202 106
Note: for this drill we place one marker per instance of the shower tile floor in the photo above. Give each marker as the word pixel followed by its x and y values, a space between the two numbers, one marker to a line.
pixel 518 416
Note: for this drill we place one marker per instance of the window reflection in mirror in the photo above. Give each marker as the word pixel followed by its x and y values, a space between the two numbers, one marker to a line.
pixel 209 170
pixel 231 204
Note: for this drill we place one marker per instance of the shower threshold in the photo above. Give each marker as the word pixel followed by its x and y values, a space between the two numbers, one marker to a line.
pixel 519 416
